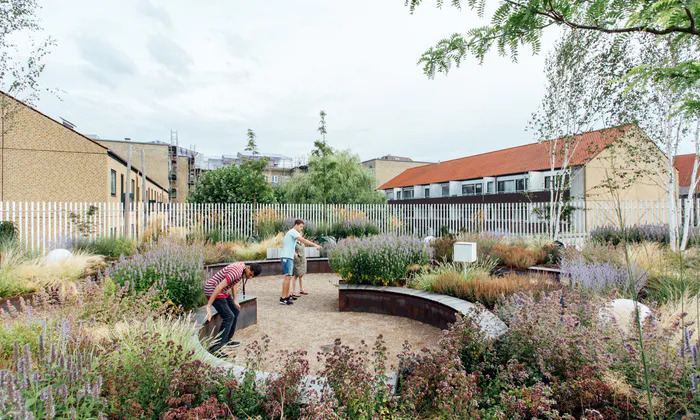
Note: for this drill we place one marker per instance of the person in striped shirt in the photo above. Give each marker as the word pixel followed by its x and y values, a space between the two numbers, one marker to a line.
pixel 217 288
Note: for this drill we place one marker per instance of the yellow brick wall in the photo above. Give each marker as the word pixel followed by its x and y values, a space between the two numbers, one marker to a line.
pixel 45 161
pixel 156 156
pixel 183 173
pixel 385 170
pixel 159 194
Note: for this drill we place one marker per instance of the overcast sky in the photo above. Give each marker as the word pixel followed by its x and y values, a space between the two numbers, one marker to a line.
pixel 213 69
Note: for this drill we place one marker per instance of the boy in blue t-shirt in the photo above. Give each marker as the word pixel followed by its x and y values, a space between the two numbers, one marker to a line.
pixel 287 257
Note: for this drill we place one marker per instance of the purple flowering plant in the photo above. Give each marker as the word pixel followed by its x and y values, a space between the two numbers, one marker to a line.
pixel 176 271
pixel 603 277
pixel 379 260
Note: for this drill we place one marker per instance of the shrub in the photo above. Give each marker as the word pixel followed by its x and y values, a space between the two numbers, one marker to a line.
pixel 109 246
pixel 443 248
pixel 56 383
pixel 556 336
pixel 354 228
pixel 603 277
pixel 148 364
pixel 269 228
pixel 516 256
pixel 176 271
pixel 354 386
pixel 8 232
pixel 640 233
pixel 380 260
pixel 479 286
pixel 436 382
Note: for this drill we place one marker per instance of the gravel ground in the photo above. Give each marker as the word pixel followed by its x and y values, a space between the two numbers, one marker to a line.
pixel 313 323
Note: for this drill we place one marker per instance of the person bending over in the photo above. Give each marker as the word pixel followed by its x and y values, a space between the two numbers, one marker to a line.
pixel 216 290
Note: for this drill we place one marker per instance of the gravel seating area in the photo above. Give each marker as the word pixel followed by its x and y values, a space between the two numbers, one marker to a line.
pixel 314 322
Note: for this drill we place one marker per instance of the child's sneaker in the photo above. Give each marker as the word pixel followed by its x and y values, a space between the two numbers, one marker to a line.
pixel 286 301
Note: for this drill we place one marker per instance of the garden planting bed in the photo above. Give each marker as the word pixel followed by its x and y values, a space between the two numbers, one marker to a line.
pixel 314 322
pixel 431 308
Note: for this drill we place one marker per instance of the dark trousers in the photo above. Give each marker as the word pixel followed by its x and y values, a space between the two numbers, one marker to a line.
pixel 229 315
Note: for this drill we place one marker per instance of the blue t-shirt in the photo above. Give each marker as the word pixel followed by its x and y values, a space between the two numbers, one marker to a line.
pixel 290 243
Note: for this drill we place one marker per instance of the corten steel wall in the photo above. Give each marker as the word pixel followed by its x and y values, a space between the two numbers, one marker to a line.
pixel 387 303
pixel 274 267
pixel 246 318
pixel 45 161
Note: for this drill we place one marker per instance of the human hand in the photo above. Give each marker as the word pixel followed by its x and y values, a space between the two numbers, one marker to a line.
pixel 238 305
pixel 318 247
pixel 209 313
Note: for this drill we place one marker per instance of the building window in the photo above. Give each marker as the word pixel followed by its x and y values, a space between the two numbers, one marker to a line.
pixel 408 193
pixel 389 195
pixel 472 189
pixel 521 184
pixel 506 186
pixel 267 178
pixel 398 195
pixel 122 187
pixel 489 187
pixel 113 182
pixel 548 180
pixel 445 190
pixel 427 192
pixel 275 179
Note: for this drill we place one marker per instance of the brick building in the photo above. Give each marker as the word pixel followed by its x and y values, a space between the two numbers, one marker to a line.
pixel 42 159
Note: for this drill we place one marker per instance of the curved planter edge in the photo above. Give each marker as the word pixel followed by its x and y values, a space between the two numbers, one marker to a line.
pixel 430 308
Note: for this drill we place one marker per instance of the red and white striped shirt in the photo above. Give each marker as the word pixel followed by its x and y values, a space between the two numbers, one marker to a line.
pixel 232 274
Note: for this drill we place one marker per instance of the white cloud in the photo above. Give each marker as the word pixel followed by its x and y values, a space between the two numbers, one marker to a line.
pixel 213 69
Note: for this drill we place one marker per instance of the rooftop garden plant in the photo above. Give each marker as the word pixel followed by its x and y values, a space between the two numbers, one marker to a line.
pixel 379 260
pixel 175 270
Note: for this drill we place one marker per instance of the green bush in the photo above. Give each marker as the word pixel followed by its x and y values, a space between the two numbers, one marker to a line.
pixel 109 246
pixel 353 228
pixel 8 232
pixel 443 248
pixel 176 271
pixel 382 260
pixel 268 228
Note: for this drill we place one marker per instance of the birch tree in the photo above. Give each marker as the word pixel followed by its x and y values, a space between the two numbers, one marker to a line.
pixel 582 73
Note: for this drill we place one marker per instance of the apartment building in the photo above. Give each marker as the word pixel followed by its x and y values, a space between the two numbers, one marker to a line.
pixel 42 159
pixel 524 173
pixel 389 166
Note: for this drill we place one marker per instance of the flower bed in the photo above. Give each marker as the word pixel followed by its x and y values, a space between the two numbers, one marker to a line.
pixel 380 260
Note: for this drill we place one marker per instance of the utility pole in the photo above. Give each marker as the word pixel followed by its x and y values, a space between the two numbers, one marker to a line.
pixel 127 199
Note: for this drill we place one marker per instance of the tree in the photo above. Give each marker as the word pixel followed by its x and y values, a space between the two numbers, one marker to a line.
pixel 346 182
pixel 517 23
pixel 582 84
pixel 232 184
pixel 244 183
pixel 252 145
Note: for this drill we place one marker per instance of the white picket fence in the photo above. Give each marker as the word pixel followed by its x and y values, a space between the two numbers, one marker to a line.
pixel 43 225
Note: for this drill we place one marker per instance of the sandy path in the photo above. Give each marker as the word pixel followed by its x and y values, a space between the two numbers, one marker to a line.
pixel 313 322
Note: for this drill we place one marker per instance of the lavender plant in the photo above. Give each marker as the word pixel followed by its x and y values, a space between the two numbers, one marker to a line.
pixel 176 271
pixel 602 277
pixel 381 260
pixel 354 227
pixel 60 383
pixel 640 233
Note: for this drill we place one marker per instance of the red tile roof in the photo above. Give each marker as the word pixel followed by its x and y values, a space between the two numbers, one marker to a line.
pixel 684 165
pixel 529 157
